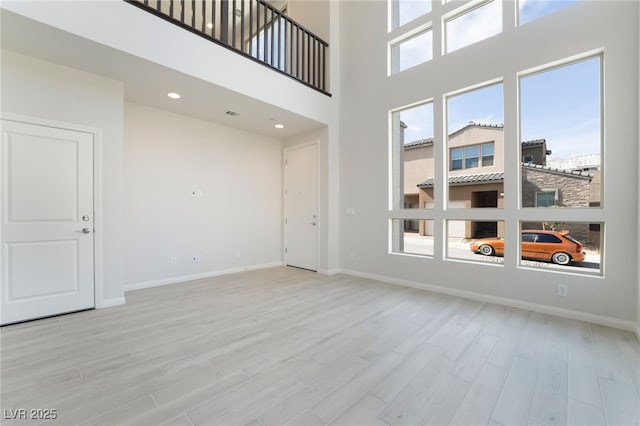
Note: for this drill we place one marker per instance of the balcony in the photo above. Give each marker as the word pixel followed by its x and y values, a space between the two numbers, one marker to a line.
pixel 254 29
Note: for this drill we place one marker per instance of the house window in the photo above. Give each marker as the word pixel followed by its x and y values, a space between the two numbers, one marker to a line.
pixel 476 241
pixel 471 156
pixel 412 237
pixel 468 157
pixel 411 50
pixel 561 246
pixel 404 11
pixel 546 199
pixel 457 154
pixel 572 130
pixel 487 154
pixel 473 25
pixel 531 10
pixel 412 173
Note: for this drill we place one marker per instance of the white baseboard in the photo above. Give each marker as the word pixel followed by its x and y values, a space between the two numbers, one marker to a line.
pixel 184 278
pixel 514 303
pixel 328 272
pixel 109 303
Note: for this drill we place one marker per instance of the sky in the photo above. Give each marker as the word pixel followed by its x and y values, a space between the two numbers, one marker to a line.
pixel 561 105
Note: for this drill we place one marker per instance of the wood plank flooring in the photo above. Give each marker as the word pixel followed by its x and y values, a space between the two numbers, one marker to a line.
pixel 284 346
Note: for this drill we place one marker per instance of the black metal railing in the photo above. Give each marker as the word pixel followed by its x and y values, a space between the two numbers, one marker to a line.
pixel 254 29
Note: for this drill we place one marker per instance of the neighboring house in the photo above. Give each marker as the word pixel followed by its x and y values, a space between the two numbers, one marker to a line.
pixel 476 179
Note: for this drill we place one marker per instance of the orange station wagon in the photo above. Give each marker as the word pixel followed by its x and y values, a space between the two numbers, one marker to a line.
pixel 536 244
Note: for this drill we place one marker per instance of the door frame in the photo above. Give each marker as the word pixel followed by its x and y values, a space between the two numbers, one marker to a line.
pixel 286 151
pixel 98 236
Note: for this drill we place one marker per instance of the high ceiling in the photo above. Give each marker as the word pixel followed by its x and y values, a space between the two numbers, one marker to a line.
pixel 146 82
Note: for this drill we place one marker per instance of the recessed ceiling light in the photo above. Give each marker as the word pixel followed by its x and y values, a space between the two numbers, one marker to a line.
pixel 209 25
pixel 279 126
pixel 173 95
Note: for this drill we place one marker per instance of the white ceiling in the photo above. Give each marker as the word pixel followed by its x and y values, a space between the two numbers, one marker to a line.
pixel 146 82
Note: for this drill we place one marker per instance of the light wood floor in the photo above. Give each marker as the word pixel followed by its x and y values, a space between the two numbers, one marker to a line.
pixel 284 346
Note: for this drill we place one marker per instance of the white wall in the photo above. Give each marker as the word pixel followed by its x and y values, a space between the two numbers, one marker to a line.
pixel 368 94
pixel 43 90
pixel 236 224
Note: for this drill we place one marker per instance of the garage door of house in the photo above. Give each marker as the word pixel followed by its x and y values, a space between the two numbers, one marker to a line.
pixel 47 221
pixel 457 227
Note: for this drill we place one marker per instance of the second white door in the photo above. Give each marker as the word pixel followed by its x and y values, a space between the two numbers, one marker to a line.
pixel 47 221
pixel 301 206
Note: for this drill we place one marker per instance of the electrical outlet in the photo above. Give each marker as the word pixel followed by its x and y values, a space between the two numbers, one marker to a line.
pixel 563 290
pixel 173 260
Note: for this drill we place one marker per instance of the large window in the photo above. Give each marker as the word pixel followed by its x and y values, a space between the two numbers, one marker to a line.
pixel 544 159
pixel 403 11
pixel 568 134
pixel 529 10
pixel 472 25
pixel 411 51
pixel 561 246
pixel 413 157
pixel 476 140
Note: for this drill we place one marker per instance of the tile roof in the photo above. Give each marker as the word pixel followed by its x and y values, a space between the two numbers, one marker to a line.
pixel 480 125
pixel 468 179
pixel 418 143
pixel 499 176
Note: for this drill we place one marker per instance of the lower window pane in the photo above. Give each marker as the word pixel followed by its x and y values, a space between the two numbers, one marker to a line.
pixel 475 240
pixel 567 246
pixel 412 236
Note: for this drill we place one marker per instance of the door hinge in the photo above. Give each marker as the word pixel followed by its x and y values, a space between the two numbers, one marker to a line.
pixel 285 221
pixel 285 250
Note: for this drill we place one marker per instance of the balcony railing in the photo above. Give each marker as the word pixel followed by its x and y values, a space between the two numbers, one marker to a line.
pixel 252 28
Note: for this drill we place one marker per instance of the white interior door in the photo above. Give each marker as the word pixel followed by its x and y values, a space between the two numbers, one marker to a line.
pixel 47 221
pixel 301 206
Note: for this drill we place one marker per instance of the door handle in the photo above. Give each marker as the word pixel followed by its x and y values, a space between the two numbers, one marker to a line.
pixel 84 230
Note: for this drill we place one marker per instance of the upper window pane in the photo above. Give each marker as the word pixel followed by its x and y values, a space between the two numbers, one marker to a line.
pixel 529 10
pixel 413 158
pixel 477 24
pixel 560 112
pixel 403 11
pixel 411 52
pixel 474 124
